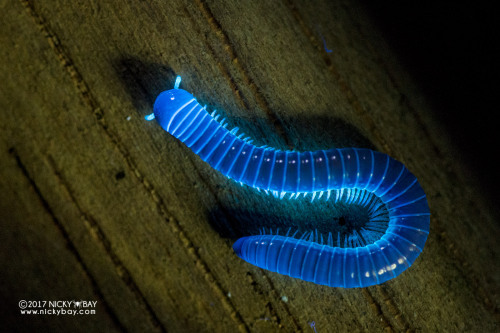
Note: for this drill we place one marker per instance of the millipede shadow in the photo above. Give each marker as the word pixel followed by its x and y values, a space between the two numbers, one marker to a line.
pixel 143 81
pixel 312 133
pixel 295 215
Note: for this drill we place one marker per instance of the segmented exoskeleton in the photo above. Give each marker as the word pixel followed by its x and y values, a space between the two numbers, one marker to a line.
pixel 397 206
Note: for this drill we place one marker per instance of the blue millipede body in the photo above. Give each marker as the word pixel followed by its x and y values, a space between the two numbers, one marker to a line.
pixel 385 246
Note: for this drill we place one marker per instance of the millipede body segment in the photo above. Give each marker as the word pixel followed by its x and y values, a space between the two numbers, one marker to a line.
pixel 371 253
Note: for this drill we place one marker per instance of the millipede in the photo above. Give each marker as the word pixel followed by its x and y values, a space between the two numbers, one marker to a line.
pixel 377 250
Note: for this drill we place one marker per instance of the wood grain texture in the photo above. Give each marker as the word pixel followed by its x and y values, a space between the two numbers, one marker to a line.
pixel 98 204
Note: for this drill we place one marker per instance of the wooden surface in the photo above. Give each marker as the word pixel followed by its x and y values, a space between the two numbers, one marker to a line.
pixel 97 204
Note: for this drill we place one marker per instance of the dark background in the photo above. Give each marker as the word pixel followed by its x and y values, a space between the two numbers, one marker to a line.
pixel 452 52
pixel 94 206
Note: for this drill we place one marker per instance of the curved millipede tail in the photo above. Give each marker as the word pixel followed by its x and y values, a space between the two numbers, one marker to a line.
pixel 379 249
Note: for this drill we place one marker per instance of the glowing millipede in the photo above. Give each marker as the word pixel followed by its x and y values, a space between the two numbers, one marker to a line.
pixel 385 246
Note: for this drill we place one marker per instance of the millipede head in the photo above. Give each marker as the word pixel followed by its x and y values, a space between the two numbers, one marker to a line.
pixel 171 104
pixel 177 83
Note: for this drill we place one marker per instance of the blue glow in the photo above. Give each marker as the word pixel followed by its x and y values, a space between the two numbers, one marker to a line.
pixel 324 45
pixel 150 117
pixel 370 253
pixel 177 82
